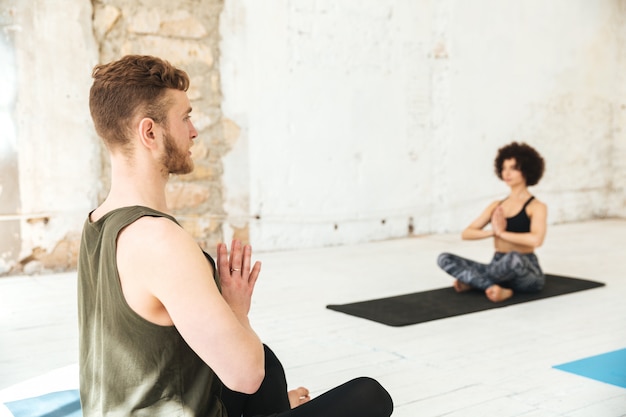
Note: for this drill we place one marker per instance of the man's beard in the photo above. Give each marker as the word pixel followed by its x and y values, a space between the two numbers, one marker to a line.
pixel 174 160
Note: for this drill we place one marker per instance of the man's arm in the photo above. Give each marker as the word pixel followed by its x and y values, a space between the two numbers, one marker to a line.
pixel 167 280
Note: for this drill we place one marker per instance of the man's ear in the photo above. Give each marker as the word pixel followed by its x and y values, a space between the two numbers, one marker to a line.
pixel 147 133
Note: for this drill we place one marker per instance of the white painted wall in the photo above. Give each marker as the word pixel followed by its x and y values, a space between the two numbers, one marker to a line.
pixel 359 118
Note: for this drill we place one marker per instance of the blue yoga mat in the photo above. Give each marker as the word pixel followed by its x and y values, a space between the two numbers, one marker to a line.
pixel 608 367
pixel 53 404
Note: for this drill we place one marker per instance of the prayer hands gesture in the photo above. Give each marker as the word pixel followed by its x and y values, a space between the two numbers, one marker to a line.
pixel 237 279
pixel 498 221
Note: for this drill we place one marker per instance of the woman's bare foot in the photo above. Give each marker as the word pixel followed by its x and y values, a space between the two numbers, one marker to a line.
pixel 298 396
pixel 496 293
pixel 461 286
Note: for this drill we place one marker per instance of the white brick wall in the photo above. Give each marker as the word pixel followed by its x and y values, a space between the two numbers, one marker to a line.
pixel 360 118
pixel 344 121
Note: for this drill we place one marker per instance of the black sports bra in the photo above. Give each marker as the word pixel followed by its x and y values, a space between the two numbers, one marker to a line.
pixel 520 223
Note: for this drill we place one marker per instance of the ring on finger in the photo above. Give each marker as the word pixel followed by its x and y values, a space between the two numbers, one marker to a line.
pixel 235 269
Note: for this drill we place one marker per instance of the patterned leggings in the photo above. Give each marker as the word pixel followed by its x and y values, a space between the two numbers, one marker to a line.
pixel 518 271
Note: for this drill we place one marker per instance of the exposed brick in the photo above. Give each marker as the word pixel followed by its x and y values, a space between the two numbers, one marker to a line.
pixel 180 52
pixel 241 233
pixel 147 21
pixel 182 24
pixel 231 131
pixel 202 171
pixel 63 256
pixel 105 18
pixel 188 36
pixel 184 195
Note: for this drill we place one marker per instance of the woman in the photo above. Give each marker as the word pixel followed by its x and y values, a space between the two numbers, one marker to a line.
pixel 518 226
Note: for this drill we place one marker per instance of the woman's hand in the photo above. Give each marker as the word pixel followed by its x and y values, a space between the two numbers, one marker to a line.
pixel 498 221
pixel 236 278
pixel 476 229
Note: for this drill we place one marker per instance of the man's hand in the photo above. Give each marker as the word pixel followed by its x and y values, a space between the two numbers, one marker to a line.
pixel 298 396
pixel 236 278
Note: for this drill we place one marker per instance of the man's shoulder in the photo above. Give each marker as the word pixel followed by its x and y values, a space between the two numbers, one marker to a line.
pixel 154 229
pixel 124 215
pixel 151 246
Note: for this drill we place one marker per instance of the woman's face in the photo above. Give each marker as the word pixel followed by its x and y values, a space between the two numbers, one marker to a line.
pixel 510 173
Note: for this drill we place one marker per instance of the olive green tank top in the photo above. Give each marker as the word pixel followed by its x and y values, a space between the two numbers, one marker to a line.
pixel 128 365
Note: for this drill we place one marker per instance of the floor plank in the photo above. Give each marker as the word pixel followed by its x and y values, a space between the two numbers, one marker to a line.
pixel 496 362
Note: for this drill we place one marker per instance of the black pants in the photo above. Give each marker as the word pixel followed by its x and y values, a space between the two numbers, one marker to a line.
pixel 360 397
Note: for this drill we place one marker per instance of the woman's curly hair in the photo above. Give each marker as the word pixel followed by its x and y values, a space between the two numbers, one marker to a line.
pixel 527 160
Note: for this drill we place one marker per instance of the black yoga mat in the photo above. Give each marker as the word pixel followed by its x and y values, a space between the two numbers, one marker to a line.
pixel 437 304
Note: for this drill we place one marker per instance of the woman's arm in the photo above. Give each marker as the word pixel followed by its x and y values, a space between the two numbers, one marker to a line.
pixel 537 211
pixel 476 229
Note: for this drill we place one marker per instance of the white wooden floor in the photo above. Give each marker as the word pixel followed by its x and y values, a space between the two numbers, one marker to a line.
pixel 493 363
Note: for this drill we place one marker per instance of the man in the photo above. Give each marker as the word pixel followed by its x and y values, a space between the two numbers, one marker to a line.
pixel 160 334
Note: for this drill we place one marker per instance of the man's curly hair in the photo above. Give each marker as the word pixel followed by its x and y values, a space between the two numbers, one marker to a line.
pixel 527 160
pixel 133 86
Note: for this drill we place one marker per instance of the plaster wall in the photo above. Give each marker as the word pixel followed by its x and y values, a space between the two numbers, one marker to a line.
pixel 54 171
pixel 185 33
pixel 322 122
pixel 364 120
pixel 10 239
pixel 54 167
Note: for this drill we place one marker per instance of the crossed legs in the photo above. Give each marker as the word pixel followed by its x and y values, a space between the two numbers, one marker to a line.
pixel 360 397
pixel 506 273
